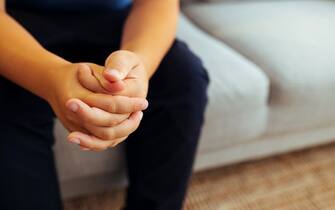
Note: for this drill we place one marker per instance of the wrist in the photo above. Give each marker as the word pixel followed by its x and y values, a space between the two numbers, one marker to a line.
pixel 53 78
pixel 146 61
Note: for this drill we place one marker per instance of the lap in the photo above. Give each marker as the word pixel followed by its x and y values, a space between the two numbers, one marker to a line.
pixel 29 180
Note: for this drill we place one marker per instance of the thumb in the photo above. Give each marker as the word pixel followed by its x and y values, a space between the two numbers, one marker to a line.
pixel 88 80
pixel 118 65
pixel 91 77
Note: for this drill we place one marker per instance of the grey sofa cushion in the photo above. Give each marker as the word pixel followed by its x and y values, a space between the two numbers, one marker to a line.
pixel 73 163
pixel 238 91
pixel 293 42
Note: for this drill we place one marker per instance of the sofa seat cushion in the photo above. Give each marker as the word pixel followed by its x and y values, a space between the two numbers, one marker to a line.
pixel 238 91
pixel 293 43
pixel 73 163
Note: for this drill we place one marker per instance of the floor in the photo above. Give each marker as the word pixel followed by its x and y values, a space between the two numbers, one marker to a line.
pixel 303 180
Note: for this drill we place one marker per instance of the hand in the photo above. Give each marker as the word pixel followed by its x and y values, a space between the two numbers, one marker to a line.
pixel 124 75
pixel 107 121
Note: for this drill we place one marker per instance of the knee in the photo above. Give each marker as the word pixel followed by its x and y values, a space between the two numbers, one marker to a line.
pixel 186 79
pixel 178 92
pixel 179 89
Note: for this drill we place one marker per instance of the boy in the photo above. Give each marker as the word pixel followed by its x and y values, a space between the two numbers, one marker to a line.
pixel 50 63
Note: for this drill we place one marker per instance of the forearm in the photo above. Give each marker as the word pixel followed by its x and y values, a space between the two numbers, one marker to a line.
pixel 150 30
pixel 23 60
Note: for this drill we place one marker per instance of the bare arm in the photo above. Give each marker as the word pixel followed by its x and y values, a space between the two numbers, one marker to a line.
pixel 22 59
pixel 148 34
pixel 150 30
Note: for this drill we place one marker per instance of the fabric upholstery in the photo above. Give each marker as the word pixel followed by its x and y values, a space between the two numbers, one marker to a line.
pixel 238 91
pixel 73 163
pixel 293 43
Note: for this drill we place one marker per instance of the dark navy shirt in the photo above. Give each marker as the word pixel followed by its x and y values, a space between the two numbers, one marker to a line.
pixel 69 5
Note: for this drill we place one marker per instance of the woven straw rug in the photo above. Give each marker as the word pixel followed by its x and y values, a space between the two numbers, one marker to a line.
pixel 303 180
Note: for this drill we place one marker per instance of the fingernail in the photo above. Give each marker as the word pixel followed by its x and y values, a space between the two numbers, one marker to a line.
pixel 74 107
pixel 145 105
pixel 114 73
pixel 75 141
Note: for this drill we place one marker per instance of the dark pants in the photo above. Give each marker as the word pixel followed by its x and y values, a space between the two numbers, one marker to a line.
pixel 160 153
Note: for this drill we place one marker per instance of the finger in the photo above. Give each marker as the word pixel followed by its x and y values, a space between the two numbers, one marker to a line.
pixel 123 129
pixel 71 125
pixel 114 87
pixel 116 104
pixel 107 86
pixel 93 115
pixel 119 64
pixel 134 89
pixel 88 79
pixel 89 142
pixel 90 76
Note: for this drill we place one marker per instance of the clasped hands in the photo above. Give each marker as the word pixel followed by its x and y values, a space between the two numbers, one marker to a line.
pixel 101 105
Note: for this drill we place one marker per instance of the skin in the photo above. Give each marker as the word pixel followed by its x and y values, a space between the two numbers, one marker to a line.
pixel 100 106
pixel 128 70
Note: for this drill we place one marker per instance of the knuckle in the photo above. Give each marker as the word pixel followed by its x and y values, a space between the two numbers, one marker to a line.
pixel 112 107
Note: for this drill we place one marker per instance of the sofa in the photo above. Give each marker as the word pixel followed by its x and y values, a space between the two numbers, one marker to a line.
pixel 272 69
